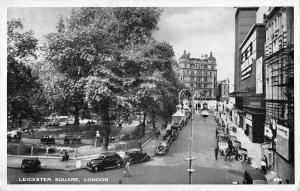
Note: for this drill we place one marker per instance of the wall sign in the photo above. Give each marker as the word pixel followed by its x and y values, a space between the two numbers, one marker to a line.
pixel 259 76
pixel 282 144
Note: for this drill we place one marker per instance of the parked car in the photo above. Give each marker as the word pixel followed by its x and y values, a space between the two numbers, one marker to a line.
pixel 107 160
pixel 223 145
pixel 175 132
pixel 47 140
pixel 242 153
pixel 236 144
pixel 232 138
pixel 222 137
pixel 136 156
pixel 162 148
pixel 254 176
pixel 167 138
pixel 30 165
pixel 125 137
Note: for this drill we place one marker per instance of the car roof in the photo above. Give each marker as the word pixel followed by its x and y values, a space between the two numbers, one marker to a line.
pixel 133 150
pixel 109 153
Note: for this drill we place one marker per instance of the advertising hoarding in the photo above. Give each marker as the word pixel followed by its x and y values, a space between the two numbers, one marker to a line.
pixel 259 76
pixel 282 145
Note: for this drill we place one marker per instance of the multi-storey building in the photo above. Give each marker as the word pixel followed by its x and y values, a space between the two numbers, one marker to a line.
pixel 223 91
pixel 199 74
pixel 252 93
pixel 245 18
pixel 279 98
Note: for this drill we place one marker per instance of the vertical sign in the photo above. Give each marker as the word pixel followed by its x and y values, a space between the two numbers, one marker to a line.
pixel 259 77
pixel 282 145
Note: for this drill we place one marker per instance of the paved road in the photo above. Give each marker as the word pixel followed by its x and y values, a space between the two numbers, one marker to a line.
pixel 168 169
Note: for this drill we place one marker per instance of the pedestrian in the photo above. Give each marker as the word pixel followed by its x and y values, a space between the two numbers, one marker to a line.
pixel 226 154
pixel 263 166
pixel 216 152
pixel 126 170
pixel 236 155
pixel 140 145
pixel 266 160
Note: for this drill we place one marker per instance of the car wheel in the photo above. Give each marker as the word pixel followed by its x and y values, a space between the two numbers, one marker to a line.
pixel 23 168
pixel 96 169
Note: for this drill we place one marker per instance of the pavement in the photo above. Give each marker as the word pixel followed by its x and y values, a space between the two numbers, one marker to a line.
pixel 254 149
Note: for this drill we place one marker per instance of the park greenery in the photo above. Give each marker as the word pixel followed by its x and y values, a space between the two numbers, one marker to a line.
pixel 101 61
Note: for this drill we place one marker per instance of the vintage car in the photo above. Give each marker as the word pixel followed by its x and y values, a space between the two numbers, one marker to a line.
pixel 72 139
pixel 162 148
pixel 242 153
pixel 107 160
pixel 136 156
pixel 232 137
pixel 167 138
pixel 30 164
pixel 47 140
pixel 125 137
pixel 236 144
pixel 175 132
pixel 254 176
pixel 222 137
pixel 223 145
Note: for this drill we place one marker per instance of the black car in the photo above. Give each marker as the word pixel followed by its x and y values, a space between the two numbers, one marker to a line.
pixel 30 165
pixel 125 137
pixel 136 156
pixel 107 160
pixel 47 140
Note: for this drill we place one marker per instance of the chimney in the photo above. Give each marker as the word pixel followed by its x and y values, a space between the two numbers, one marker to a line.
pixel 184 52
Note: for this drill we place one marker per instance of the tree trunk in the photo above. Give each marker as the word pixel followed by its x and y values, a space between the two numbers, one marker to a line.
pixel 153 120
pixel 106 122
pixel 76 116
pixel 144 124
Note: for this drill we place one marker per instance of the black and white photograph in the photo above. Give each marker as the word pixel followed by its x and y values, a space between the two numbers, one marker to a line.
pixel 150 94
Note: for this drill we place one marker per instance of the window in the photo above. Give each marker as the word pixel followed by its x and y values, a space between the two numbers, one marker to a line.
pixel 250 48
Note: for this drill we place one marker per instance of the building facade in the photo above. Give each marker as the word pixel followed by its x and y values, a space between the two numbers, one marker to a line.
pixel 199 74
pixel 245 18
pixel 251 94
pixel 223 91
pixel 279 98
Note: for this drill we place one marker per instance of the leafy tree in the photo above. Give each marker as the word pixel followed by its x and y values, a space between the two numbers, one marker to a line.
pixel 61 25
pixel 21 84
pixel 92 52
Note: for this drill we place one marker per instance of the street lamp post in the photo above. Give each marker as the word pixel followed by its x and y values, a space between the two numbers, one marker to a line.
pixel 190 158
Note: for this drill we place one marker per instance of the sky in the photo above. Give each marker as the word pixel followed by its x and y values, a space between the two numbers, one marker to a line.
pixel 197 30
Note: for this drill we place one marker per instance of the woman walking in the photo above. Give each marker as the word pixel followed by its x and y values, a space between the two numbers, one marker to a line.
pixel 126 171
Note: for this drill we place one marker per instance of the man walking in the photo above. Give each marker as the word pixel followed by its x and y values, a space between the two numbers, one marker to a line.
pixel 216 152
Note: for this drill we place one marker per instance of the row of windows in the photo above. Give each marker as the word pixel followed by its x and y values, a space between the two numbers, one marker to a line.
pixel 198 85
pixel 199 72
pixel 198 79
pixel 200 66
pixel 248 52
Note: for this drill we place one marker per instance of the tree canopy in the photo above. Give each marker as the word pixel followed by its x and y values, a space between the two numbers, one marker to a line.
pixel 21 84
